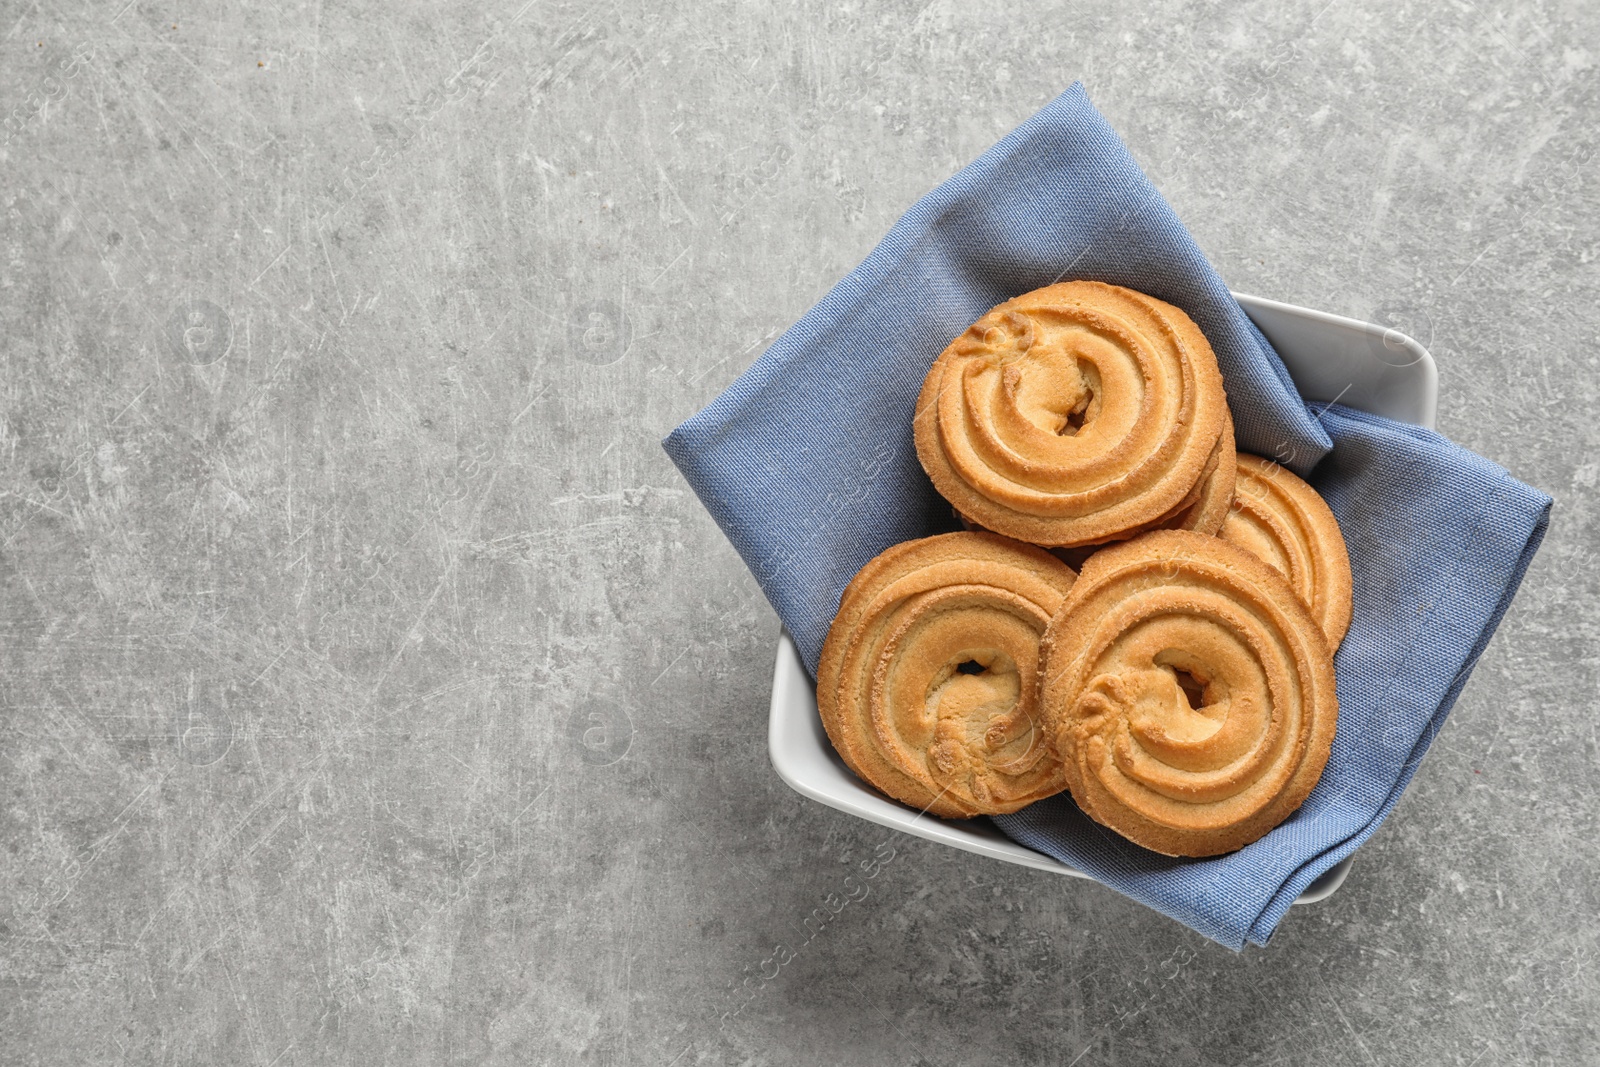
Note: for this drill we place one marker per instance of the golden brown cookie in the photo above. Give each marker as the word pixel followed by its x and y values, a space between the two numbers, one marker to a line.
pixel 1286 524
pixel 927 684
pixel 1188 693
pixel 1075 414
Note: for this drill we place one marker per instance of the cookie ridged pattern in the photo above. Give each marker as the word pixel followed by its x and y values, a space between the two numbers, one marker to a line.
pixel 1188 693
pixel 927 684
pixel 1078 413
pixel 1285 523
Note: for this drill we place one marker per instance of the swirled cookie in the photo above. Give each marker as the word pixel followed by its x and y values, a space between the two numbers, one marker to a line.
pixel 1281 520
pixel 1188 693
pixel 1075 414
pixel 927 684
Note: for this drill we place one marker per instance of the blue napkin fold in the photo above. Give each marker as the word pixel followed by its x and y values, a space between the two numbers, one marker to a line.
pixel 807 464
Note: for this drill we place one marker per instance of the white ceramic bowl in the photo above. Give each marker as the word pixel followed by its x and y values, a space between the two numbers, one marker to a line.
pixel 1330 358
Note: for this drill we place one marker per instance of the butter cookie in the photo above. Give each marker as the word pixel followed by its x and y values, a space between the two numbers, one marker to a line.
pixel 1284 522
pixel 1076 414
pixel 928 679
pixel 1188 693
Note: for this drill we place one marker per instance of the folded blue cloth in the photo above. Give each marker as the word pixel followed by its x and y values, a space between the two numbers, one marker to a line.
pixel 807 464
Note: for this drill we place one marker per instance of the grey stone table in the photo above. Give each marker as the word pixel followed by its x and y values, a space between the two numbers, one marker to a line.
pixel 374 691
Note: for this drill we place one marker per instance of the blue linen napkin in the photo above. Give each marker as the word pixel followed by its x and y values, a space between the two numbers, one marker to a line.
pixel 807 464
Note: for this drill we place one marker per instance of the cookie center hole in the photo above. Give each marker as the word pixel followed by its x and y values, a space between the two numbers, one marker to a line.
pixel 1073 421
pixel 970 666
pixel 1194 690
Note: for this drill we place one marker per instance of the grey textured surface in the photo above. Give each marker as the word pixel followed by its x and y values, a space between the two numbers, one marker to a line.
pixel 373 689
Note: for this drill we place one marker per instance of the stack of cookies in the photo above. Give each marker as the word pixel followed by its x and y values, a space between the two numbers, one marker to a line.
pixel 1135 612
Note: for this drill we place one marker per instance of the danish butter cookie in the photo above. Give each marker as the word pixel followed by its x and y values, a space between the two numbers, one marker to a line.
pixel 1287 525
pixel 1078 413
pixel 1188 693
pixel 928 680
